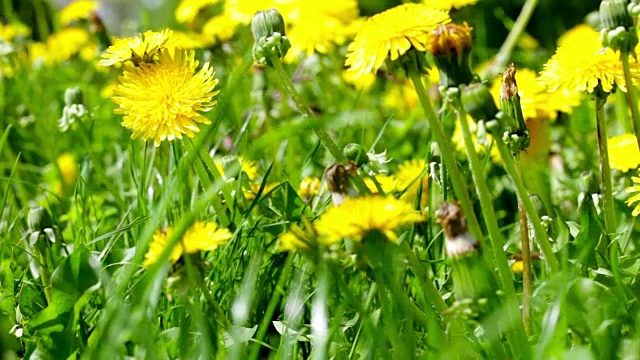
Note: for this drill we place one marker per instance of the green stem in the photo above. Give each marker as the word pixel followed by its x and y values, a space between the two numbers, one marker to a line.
pixel 610 223
pixel 447 152
pixel 541 234
pixel 504 54
pixel 632 98
pixel 527 277
pixel 517 339
pixel 320 132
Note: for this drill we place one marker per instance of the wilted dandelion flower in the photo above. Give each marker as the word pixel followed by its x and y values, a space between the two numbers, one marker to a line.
pixel 163 100
pixel 77 10
pixel 392 33
pixel 623 152
pixel 583 64
pixel 634 192
pixel 141 48
pixel 356 217
pixel 201 236
pixel 448 4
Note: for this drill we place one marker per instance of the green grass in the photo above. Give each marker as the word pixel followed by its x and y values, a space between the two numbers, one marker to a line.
pixel 86 295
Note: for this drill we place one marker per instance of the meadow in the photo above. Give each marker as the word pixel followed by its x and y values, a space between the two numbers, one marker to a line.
pixel 337 179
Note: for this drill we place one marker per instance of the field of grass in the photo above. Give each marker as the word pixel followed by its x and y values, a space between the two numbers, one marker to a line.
pixel 355 180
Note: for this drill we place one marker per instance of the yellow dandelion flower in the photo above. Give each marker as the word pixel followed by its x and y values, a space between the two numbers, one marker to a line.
pixel 410 175
pixel 318 34
pixel 517 267
pixel 623 152
pixel 78 10
pixel 163 100
pixel 201 236
pixel 480 146
pixel 141 48
pixel 10 31
pixel 220 28
pixel 249 167
pixel 68 168
pixel 401 96
pixel 387 183
pixel 250 194
pixel 294 239
pixel 61 46
pixel 157 246
pixel 535 100
pixel 309 186
pixel 187 10
pixel 242 11
pixel 358 216
pixel 583 64
pixel 392 33
pixel 189 40
pixel 634 192
pixel 574 34
pixel 448 4
pixel 364 82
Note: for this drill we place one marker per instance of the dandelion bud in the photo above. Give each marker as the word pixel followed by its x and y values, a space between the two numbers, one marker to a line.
pixel 450 46
pixel 618 32
pixel 518 136
pixel 355 153
pixel 269 32
pixel 479 103
pixel 39 219
pixel 614 13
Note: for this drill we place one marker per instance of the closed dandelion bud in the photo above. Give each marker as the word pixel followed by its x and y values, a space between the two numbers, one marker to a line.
pixel 618 32
pixel 271 42
pixel 39 219
pixel 355 153
pixel 479 103
pixel 518 134
pixel 471 278
pixel 450 46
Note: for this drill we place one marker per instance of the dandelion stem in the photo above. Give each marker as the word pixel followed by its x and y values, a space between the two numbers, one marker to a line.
pixel 541 234
pixel 517 339
pixel 446 152
pixel 632 97
pixel 607 190
pixel 527 277
pixel 320 132
pixel 504 54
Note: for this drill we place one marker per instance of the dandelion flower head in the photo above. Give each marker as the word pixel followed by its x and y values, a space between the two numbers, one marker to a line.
pixel 392 33
pixel 187 10
pixel 220 28
pixel 201 236
pixel 358 216
pixel 141 48
pixel 77 10
pixel 9 31
pixel 448 4
pixel 386 182
pixel 583 64
pixel 163 100
pixel 309 187
pixel 68 168
pixel 623 152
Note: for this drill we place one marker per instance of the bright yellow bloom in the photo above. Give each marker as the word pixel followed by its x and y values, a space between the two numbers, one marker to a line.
pixel 309 187
pixel 401 96
pixel 62 46
pixel 249 167
pixel 292 240
pixel 77 10
pixel 220 28
pixel 141 48
pixel 574 34
pixel 242 11
pixel 163 100
pixel 448 4
pixel 364 82
pixel 623 152
pixel 200 236
pixel 480 146
pixel 68 168
pixel 392 33
pixel 190 40
pixel 410 175
pixel 517 267
pixel 189 9
pixel 358 216
pixel 387 183
pixel 635 197
pixel 9 31
pixel 251 193
pixel 535 100
pixel 583 64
